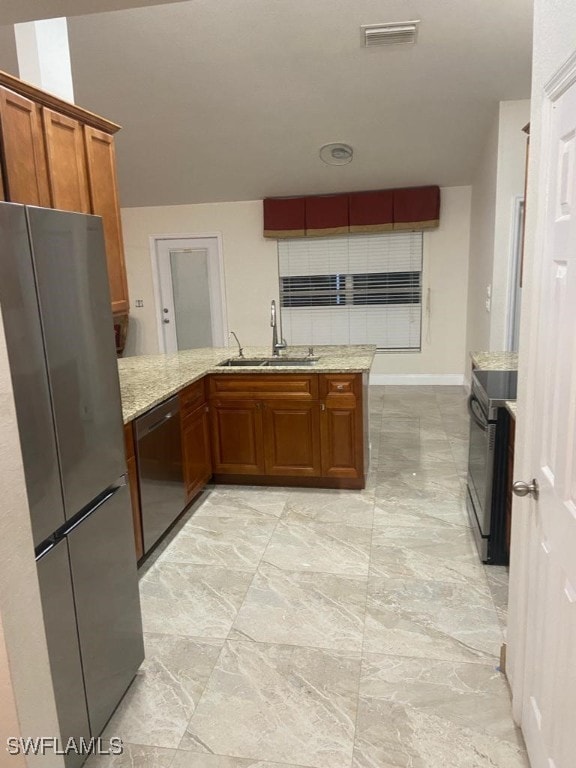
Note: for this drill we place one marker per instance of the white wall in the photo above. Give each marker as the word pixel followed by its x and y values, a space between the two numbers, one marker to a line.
pixel 499 178
pixel 483 217
pixel 25 680
pixel 250 266
pixel 251 275
pixel 445 274
pixel 514 115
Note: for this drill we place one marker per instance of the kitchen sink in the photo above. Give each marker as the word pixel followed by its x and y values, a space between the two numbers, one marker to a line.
pixel 282 361
pixel 268 362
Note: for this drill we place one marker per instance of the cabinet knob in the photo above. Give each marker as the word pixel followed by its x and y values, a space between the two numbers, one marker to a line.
pixel 340 387
pixel 322 407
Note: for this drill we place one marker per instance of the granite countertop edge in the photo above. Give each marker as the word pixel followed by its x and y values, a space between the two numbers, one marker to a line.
pixel 148 380
pixel 495 361
pixel 511 407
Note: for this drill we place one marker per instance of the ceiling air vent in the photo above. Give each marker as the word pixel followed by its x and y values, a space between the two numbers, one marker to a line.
pixel 390 33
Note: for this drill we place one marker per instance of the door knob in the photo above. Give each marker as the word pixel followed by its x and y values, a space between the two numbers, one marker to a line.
pixel 521 488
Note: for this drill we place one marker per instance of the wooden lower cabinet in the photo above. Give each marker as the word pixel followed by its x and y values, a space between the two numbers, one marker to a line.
pixel 195 439
pixel 196 451
pixel 292 438
pixel 237 437
pixel 134 489
pixel 342 441
pixel 309 429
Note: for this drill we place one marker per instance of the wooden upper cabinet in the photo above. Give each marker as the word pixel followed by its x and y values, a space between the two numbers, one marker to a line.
pixel 26 176
pixel 103 187
pixel 57 155
pixel 66 157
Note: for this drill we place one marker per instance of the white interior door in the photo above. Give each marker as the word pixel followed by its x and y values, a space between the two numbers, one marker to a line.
pixel 190 299
pixel 542 633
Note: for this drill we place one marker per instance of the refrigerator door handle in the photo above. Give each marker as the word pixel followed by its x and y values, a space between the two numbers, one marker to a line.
pixel 79 518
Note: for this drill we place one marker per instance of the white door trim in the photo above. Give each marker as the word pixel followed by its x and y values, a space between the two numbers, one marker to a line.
pixel 153 241
pixel 513 267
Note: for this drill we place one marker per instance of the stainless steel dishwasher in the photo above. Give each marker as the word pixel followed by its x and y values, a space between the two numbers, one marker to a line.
pixel 160 472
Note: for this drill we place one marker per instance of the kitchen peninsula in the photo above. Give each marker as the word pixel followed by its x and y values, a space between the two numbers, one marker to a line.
pixel 300 419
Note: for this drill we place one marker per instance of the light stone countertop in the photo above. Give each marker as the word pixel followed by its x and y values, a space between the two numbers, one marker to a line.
pixel 511 407
pixel 147 380
pixel 495 361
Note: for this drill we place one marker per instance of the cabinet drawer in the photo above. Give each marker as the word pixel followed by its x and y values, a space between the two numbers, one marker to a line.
pixel 303 387
pixel 191 397
pixel 340 385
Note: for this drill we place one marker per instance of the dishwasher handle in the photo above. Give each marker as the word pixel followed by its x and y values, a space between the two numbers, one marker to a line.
pixel 157 416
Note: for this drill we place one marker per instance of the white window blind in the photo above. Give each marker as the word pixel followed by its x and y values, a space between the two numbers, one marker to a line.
pixel 360 289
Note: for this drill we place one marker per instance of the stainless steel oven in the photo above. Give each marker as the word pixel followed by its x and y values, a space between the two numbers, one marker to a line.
pixel 486 495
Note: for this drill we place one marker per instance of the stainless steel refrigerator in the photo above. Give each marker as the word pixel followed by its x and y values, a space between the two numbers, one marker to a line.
pixel 55 305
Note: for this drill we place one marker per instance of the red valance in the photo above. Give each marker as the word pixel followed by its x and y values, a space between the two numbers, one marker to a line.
pixel 371 211
pixel 411 208
pixel 284 217
pixel 327 215
pixel 417 208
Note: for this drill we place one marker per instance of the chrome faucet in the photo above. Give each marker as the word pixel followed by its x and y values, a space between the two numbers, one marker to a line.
pixel 276 345
pixel 240 350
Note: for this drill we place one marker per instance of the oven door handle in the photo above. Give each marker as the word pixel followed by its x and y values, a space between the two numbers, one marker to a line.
pixel 476 413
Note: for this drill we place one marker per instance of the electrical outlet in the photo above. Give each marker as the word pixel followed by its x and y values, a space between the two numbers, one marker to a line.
pixel 139 303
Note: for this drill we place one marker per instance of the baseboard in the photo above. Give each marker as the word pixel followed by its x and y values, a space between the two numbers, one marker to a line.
pixel 422 379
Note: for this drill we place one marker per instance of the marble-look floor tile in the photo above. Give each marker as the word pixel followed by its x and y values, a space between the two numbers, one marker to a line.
pixel 429 619
pixel 311 609
pixel 425 478
pixel 194 600
pixel 405 493
pixel 238 501
pixel 226 541
pixel 134 756
pixel 390 735
pixel 191 760
pixel 281 704
pixel 162 697
pixel 396 562
pixel 469 695
pixel 444 541
pixel 421 513
pixel 497 577
pixel 343 507
pixel 342 549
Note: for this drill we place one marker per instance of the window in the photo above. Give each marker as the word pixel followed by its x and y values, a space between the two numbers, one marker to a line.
pixel 360 289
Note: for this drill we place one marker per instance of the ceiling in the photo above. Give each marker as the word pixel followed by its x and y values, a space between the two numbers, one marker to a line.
pixel 232 99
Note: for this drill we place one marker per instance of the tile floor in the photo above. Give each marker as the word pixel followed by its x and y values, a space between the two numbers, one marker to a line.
pixel 329 629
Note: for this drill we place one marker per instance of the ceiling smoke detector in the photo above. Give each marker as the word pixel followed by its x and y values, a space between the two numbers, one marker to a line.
pixel 336 153
pixel 391 33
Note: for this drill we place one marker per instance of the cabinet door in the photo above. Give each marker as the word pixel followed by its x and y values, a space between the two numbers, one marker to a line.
pixel 196 451
pixel 341 429
pixel 103 186
pixel 66 162
pixel 25 173
pixel 237 440
pixel 292 438
pixel 134 489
